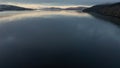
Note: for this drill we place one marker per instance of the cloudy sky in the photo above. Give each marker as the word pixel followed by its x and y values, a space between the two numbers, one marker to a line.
pixel 82 2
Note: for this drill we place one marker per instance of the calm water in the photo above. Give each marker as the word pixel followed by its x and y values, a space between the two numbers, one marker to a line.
pixel 57 39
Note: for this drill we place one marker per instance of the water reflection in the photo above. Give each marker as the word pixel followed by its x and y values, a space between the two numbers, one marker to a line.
pixel 110 19
pixel 11 16
pixel 57 39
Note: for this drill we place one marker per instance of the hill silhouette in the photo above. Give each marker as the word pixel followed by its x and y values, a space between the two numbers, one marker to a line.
pixel 4 7
pixel 106 9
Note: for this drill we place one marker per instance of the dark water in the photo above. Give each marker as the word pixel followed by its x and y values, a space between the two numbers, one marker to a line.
pixel 57 40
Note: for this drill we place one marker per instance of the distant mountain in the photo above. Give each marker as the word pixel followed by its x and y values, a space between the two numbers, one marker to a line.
pixel 69 8
pixel 105 9
pixel 75 8
pixel 4 7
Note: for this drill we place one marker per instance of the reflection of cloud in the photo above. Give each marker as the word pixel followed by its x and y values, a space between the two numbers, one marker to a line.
pixel 10 38
pixel 7 39
pixel 10 16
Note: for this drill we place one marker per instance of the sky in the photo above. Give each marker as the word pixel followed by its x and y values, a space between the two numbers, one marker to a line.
pixel 75 2
pixel 62 1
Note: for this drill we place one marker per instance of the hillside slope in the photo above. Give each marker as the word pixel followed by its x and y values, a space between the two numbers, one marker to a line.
pixel 4 7
pixel 106 9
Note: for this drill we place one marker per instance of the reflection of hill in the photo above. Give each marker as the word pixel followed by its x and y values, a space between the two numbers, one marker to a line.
pixel 113 20
pixel 12 8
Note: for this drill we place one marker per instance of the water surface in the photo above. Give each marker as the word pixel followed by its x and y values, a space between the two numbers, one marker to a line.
pixel 58 39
